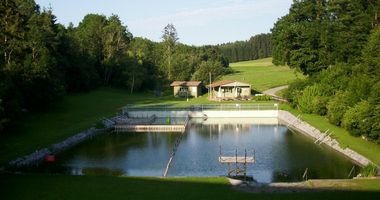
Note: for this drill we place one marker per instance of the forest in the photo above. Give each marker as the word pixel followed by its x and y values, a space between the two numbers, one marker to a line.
pixel 337 45
pixel 258 46
pixel 43 60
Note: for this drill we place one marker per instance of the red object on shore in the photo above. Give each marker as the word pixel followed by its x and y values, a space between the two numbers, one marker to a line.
pixel 50 158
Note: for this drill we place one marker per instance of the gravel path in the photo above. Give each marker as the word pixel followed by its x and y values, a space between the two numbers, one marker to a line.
pixel 272 91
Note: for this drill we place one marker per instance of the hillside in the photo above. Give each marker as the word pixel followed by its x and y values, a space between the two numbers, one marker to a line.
pixel 262 74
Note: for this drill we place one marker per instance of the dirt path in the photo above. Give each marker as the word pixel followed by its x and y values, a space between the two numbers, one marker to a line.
pixel 322 185
pixel 272 91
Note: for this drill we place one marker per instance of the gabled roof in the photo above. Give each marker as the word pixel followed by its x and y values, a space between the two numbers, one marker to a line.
pixel 228 83
pixel 186 83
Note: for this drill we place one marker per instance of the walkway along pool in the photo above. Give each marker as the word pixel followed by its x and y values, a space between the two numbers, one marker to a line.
pixel 281 154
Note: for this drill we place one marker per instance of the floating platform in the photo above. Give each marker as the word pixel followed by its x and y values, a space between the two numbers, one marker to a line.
pixel 238 163
pixel 234 159
pixel 150 128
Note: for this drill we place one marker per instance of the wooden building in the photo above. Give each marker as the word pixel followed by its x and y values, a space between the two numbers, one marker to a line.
pixel 229 89
pixel 187 88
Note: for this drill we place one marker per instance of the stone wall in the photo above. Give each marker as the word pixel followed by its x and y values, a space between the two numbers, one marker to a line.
pixel 37 156
pixel 295 123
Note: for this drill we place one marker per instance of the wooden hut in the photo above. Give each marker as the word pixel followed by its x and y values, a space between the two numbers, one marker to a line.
pixel 187 88
pixel 229 89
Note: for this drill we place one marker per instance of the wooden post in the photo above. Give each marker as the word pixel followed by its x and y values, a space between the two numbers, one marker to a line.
pixel 236 163
pixel 245 164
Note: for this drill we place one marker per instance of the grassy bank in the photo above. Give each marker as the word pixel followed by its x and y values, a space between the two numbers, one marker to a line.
pixel 364 147
pixel 262 74
pixel 90 187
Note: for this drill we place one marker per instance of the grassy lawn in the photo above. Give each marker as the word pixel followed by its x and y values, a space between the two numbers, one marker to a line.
pixel 262 74
pixel 100 187
pixel 366 148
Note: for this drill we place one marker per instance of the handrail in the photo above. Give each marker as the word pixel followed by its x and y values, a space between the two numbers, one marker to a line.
pixel 202 107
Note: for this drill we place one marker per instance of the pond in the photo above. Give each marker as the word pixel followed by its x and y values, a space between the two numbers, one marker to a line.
pixel 281 155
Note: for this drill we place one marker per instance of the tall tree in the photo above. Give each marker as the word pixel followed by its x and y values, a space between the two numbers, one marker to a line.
pixel 105 41
pixel 89 34
pixel 116 39
pixel 371 55
pixel 299 38
pixel 350 27
pixel 170 39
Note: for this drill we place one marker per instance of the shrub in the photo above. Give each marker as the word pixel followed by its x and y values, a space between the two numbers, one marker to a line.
pixel 318 105
pixel 336 107
pixel 357 119
pixel 334 78
pixel 369 171
pixel 305 98
pixel 375 120
pixel 263 98
pixel 294 89
pixel 374 96
pixel 359 88
pixel 312 101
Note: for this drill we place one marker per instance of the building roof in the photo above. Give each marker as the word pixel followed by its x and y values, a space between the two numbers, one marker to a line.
pixel 186 83
pixel 228 83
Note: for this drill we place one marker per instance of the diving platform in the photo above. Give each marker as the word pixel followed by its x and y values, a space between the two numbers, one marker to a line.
pixel 237 164
pixel 235 159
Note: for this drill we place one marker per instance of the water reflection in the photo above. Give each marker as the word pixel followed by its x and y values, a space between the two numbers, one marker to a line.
pixel 281 155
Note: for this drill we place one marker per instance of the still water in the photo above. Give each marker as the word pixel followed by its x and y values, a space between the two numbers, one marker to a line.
pixel 281 155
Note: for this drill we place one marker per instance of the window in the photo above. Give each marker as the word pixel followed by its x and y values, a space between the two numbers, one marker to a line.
pixel 228 90
pixel 183 89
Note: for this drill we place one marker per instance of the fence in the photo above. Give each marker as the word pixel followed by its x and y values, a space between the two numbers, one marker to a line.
pixel 202 107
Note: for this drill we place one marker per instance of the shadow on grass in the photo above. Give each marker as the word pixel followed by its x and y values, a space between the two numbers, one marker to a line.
pixel 107 187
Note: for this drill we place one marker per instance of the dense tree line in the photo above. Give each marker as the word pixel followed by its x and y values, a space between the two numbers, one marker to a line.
pixel 42 60
pixel 258 46
pixel 337 45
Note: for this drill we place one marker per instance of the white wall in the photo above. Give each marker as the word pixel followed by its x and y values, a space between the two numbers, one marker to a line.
pixel 208 113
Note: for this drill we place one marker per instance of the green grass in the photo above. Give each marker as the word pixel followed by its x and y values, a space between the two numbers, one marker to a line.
pixel 262 74
pixel 364 147
pixel 72 114
pixel 100 187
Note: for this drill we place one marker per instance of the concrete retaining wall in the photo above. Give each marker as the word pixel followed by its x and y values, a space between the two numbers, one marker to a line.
pixel 208 113
pixel 241 114
pixel 39 155
pixel 294 123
